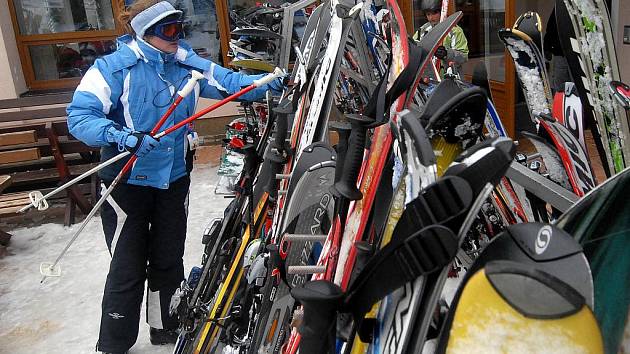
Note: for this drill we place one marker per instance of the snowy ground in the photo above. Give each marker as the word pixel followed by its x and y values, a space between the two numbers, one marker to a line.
pixel 62 315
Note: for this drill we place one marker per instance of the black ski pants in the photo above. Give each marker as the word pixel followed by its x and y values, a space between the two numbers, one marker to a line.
pixel 145 230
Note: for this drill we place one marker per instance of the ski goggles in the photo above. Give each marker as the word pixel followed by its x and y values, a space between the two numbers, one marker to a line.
pixel 168 31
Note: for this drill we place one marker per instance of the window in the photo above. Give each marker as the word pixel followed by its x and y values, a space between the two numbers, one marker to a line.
pixel 481 23
pixel 66 60
pixel 58 40
pixel 59 16
pixel 201 30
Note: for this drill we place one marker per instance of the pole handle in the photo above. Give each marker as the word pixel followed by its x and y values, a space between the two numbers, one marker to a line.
pixel 190 85
pixel 269 77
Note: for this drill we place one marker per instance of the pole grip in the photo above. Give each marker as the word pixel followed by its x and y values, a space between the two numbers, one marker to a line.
pixel 320 300
pixel 282 128
pixel 343 131
pixel 347 184
pixel 269 77
pixel 190 85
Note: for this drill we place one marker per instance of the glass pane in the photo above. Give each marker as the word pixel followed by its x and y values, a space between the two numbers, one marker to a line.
pixel 481 23
pixel 66 60
pixel 57 16
pixel 202 32
pixel 265 17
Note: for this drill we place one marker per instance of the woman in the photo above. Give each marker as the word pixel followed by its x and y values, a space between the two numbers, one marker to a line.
pixel 120 98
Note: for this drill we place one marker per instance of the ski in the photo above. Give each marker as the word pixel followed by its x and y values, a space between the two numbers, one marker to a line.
pixel 568 110
pixel 308 212
pixel 502 155
pixel 375 160
pixel 588 45
pixel 535 85
pixel 529 69
pixel 441 117
pixel 188 301
pixel 531 24
pixel 317 116
pixel 400 262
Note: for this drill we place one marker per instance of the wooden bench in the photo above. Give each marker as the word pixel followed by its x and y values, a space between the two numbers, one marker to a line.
pixel 38 153
pixel 5 182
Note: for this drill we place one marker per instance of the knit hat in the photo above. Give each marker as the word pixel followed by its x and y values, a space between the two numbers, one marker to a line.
pixel 152 15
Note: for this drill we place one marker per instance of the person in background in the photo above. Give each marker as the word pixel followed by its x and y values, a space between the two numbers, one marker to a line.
pixel 454 49
pixel 120 98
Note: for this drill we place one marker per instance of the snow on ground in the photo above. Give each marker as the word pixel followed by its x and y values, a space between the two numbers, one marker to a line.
pixel 62 315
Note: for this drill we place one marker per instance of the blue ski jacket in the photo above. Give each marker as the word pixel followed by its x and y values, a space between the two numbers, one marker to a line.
pixel 133 87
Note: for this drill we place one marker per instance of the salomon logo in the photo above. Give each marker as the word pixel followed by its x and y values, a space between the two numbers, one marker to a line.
pixel 116 315
pixel 543 239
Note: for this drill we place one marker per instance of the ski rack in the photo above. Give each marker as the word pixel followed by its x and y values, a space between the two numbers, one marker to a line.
pixel 287 31
pixel 543 188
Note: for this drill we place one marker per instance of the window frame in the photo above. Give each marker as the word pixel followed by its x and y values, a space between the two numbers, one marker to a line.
pixel 23 43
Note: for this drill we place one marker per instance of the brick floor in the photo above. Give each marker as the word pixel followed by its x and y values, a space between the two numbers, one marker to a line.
pixel 208 155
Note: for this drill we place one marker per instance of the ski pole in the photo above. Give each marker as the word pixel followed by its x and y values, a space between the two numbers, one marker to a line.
pixel 40 201
pixel 48 270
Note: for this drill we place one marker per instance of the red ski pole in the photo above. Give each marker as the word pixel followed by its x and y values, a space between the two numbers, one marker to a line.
pixel 257 83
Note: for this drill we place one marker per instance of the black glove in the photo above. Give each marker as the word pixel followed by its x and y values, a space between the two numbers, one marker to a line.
pixel 140 144
pixel 279 84
pixel 441 52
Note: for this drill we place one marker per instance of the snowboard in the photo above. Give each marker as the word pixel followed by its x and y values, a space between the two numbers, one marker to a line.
pixel 308 212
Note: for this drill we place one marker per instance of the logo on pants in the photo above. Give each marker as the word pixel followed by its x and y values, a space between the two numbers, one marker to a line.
pixel 116 315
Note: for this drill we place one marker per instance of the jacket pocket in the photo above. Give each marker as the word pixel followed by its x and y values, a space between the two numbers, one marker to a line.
pixel 133 100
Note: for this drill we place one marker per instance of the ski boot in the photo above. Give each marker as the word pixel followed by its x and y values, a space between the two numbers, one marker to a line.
pixel 162 336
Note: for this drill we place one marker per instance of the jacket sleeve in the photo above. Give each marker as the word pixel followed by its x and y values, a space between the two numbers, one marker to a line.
pixel 221 82
pixel 457 46
pixel 94 98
